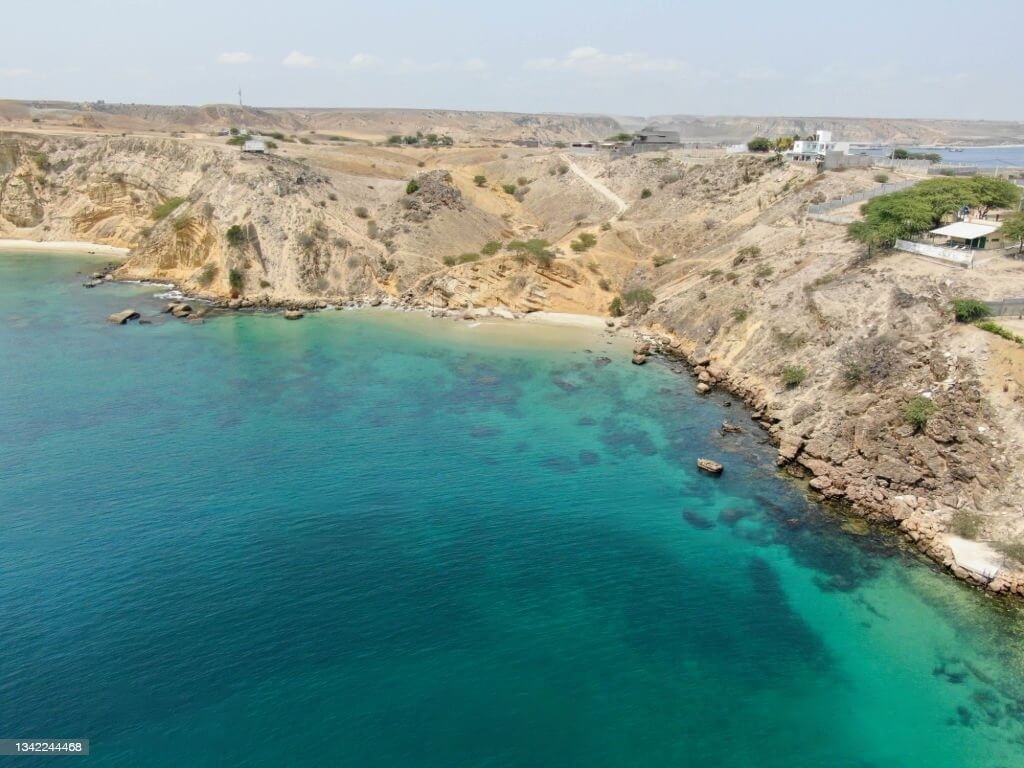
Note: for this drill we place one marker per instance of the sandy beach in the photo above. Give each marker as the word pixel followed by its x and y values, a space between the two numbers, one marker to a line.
pixel 62 246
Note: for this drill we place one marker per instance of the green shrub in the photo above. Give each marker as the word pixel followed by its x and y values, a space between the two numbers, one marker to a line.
pixel 763 270
pixel 603 284
pixel 882 178
pixel 237 141
pixel 372 230
pixel 760 144
pixel 522 181
pixel 793 375
pixel 235 236
pixel 361 212
pixel 966 524
pixel 236 279
pixel 615 308
pixel 412 187
pixel 969 310
pixel 41 161
pixel 181 224
pixel 167 207
pixel 480 180
pixel 644 194
pixel 739 314
pixel 998 330
pixel 918 410
pixel 660 260
pixel 749 252
pixel 584 242
pixel 639 299
pixel 394 139
pixel 491 247
pixel 508 189
pixel 462 258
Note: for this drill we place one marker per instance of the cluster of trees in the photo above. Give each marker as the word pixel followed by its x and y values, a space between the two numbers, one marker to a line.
pixel 764 144
pixel 421 139
pixel 922 207
pixel 903 154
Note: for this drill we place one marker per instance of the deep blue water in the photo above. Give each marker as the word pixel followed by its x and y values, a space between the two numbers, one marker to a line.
pixel 371 539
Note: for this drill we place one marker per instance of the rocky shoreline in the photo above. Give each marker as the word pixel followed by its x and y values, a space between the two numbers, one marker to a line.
pixel 876 502
pixel 910 513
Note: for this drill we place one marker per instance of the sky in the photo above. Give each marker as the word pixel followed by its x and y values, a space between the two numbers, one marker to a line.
pixel 865 59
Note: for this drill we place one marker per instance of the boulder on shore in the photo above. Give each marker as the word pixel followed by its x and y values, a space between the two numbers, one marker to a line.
pixel 294 314
pixel 639 358
pixel 709 466
pixel 122 317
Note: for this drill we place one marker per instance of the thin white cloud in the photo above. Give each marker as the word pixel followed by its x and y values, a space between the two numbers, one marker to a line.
pixel 473 65
pixel 363 61
pixel 234 57
pixel 587 59
pixel 15 72
pixel 299 60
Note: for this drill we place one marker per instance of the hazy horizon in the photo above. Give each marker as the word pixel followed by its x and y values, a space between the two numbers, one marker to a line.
pixel 564 58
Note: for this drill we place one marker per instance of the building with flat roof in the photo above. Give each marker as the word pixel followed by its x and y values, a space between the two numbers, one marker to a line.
pixel 255 147
pixel 813 150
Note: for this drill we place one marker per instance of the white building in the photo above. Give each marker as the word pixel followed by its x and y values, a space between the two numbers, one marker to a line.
pixel 816 149
pixel 255 146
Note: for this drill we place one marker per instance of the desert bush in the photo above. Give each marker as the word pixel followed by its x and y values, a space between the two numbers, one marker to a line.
pixel 491 247
pixel 522 181
pixel 763 270
pixel 998 330
pixel 645 193
pixel 462 258
pixel 361 212
pixel 480 180
pixel 788 341
pixel 969 310
pixel 661 259
pixel 372 230
pixel 508 189
pixel 1014 549
pixel 167 207
pixel 182 224
pixel 918 410
pixel 412 187
pixel 965 524
pixel 739 314
pixel 869 361
pixel 207 275
pixel 749 252
pixel 603 284
pixel 235 236
pixel 562 169
pixel 332 196
pixel 42 162
pixel 882 178
pixel 793 375
pixel 615 307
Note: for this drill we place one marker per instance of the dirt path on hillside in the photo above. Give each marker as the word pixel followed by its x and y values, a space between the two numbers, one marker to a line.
pixel 620 204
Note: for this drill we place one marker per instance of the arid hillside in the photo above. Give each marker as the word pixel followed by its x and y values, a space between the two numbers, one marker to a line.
pixel 712 257
pixel 486 127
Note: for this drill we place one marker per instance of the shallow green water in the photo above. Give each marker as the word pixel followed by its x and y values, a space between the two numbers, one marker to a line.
pixel 367 539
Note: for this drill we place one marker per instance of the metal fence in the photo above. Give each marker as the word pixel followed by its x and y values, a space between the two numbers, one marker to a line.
pixel 842 202
pixel 1006 307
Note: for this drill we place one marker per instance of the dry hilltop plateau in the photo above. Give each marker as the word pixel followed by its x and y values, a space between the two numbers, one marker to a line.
pixel 712 258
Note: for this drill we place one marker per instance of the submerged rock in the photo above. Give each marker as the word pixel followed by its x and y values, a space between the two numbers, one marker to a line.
pixel 294 314
pixel 639 359
pixel 709 466
pixel 122 317
pixel 697 520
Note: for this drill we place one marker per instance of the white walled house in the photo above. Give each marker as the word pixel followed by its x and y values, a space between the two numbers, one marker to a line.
pixel 807 150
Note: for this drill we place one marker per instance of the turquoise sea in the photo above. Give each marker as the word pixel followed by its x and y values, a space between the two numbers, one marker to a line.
pixel 374 539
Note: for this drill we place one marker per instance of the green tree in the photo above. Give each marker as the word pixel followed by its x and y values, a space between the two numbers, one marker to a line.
pixel 645 193
pixel 639 299
pixel 615 307
pixel 783 143
pixel 479 180
pixel 491 247
pixel 621 137
pixel 760 144
pixel 990 192
pixel 412 187
pixel 1013 228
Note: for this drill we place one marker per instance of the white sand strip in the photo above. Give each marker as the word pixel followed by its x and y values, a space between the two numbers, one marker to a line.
pixel 62 246
pixel 566 318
